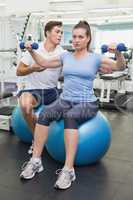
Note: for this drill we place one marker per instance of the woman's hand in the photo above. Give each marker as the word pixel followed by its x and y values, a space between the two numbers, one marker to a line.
pixel 105 69
pixel 112 48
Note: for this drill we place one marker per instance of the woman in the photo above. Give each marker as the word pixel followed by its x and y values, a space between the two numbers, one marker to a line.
pixel 76 104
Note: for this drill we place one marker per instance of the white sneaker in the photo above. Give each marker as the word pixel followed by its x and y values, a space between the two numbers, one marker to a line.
pixel 29 169
pixel 65 178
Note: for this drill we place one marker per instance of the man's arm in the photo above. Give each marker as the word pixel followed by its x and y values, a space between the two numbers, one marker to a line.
pixel 23 69
pixel 40 60
pixel 46 63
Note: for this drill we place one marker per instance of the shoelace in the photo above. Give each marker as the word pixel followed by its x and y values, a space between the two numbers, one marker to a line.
pixel 25 164
pixel 58 171
pixel 62 174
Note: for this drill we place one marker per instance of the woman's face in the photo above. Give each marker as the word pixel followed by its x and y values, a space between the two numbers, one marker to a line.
pixel 80 39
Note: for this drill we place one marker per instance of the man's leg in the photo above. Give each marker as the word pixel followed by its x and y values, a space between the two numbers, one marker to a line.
pixel 50 113
pixel 27 101
pixel 34 165
pixel 40 138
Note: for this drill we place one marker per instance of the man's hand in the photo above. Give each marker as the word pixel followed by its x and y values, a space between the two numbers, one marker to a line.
pixel 28 46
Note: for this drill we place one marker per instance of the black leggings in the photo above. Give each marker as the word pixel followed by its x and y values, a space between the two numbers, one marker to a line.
pixel 74 114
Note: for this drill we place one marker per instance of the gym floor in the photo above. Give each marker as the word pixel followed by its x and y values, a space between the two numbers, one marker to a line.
pixel 110 179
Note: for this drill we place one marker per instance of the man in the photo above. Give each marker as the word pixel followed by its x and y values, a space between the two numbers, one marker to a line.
pixel 40 86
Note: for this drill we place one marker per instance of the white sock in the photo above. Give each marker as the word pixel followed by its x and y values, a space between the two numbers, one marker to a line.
pixel 36 160
pixel 68 169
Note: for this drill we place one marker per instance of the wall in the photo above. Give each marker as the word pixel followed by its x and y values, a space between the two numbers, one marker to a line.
pixel 17 6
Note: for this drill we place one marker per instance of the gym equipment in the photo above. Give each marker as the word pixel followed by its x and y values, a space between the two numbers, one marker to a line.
pixel 34 45
pixel 5 116
pixel 5 95
pixel 108 80
pixel 120 47
pixel 7 104
pixel 20 126
pixel 94 140
pixel 109 86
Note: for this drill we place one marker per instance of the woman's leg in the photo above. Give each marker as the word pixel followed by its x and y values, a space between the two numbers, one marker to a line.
pixel 67 174
pixel 71 142
pixel 78 114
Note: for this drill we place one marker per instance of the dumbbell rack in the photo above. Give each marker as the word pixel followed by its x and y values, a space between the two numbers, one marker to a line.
pixel 5 122
pixel 6 113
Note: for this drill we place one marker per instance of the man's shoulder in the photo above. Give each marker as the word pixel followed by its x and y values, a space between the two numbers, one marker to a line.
pixel 59 48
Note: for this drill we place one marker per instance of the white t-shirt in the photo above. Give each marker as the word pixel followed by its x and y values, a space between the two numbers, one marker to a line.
pixel 41 80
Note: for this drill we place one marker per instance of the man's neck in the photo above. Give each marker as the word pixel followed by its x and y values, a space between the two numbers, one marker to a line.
pixel 49 46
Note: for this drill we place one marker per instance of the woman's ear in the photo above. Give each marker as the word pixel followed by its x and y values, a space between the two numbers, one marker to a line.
pixel 88 39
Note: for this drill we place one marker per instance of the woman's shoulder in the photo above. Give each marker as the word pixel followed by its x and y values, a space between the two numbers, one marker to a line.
pixel 95 55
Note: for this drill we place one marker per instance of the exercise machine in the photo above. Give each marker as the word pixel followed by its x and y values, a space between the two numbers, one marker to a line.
pixel 113 89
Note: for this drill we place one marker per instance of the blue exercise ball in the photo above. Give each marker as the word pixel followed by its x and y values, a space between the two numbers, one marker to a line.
pixel 20 126
pixel 94 140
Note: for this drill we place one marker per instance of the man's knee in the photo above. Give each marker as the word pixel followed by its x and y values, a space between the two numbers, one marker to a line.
pixel 26 109
pixel 26 105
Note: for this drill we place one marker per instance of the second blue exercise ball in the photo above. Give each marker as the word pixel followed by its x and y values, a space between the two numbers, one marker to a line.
pixel 94 140
pixel 20 126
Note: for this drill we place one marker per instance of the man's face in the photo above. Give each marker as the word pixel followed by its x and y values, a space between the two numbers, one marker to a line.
pixel 55 34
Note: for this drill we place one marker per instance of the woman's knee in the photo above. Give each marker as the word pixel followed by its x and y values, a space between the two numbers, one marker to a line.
pixel 44 118
pixel 49 114
pixel 70 123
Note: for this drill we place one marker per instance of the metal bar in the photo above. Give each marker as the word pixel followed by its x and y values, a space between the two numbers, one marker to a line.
pixel 8 50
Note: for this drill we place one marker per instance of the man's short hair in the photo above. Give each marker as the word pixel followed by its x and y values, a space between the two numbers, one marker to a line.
pixel 50 25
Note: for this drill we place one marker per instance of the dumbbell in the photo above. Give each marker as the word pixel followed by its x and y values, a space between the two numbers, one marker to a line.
pixel 120 47
pixel 34 45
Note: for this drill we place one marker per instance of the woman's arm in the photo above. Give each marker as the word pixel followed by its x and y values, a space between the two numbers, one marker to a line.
pixel 118 64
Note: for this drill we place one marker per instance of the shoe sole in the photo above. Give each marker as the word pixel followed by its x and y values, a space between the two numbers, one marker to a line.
pixel 30 177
